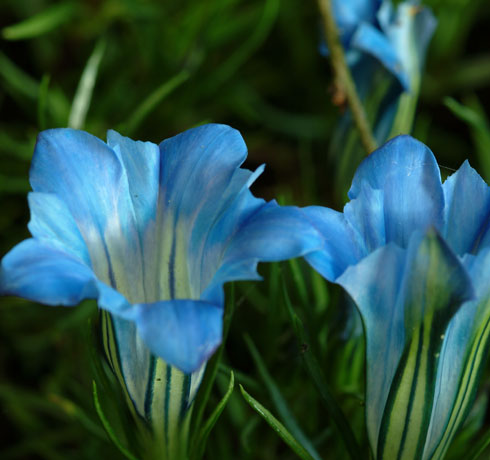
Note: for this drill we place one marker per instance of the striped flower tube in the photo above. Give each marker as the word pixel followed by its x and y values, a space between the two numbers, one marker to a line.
pixel 414 255
pixel 152 232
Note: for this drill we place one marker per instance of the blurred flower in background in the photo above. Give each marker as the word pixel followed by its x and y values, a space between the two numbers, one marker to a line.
pixel 385 48
pixel 151 232
pixel 414 255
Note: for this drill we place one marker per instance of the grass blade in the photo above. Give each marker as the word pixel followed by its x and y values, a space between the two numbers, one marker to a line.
pixel 42 101
pixel 277 426
pixel 279 402
pixel 83 95
pixel 39 24
pixel 320 382
pixel 211 421
pixel 107 426
pixel 152 101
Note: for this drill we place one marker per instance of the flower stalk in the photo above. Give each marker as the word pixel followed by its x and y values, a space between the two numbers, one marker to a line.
pixel 344 83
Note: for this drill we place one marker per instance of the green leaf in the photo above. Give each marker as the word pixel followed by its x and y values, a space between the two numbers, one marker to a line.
pixel 277 426
pixel 152 101
pixel 279 402
pixel 83 95
pixel 108 427
pixel 13 184
pixel 39 24
pixel 480 447
pixel 316 374
pixel 42 101
pixel 212 367
pixel 211 421
pixel 264 25
pixel 474 116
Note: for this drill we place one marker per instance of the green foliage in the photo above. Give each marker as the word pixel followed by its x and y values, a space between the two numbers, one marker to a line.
pixel 155 68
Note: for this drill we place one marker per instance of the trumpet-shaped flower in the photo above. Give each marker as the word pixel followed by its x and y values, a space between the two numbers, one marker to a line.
pixel 414 255
pixel 397 38
pixel 152 232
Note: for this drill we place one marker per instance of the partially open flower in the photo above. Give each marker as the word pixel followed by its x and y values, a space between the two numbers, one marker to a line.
pixel 152 232
pixel 414 255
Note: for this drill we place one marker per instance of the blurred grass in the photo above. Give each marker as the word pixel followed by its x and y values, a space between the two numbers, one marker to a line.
pixel 153 69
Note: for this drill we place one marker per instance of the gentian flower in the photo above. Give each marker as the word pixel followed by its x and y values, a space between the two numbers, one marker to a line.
pixel 152 232
pixel 414 255
pixel 397 39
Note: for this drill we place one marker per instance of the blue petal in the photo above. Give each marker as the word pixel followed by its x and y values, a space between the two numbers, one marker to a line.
pixel 42 273
pixel 366 214
pixel 196 169
pixel 267 234
pixel 141 161
pixel 372 41
pixel 51 220
pixel 87 176
pixel 374 284
pixel 350 13
pixel 397 291
pixel 184 332
pixel 467 211
pixel 407 173
pixel 464 347
pixel 409 31
pixel 478 268
pixel 341 245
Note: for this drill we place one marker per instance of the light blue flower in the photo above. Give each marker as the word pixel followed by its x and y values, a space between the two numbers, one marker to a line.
pixel 152 232
pixel 397 38
pixel 414 255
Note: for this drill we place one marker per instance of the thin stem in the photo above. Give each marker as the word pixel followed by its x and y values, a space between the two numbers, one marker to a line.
pixel 343 78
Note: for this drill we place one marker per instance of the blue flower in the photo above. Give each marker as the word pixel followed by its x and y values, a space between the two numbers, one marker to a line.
pixel 414 255
pixel 398 39
pixel 152 232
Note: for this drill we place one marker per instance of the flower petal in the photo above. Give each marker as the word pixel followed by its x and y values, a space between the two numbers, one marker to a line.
pixel 52 221
pixel 88 177
pixel 374 284
pixel 406 299
pixel 435 286
pixel 464 350
pixel 267 232
pixel 467 211
pixel 407 173
pixel 42 273
pixel 183 332
pixel 349 13
pixel 371 40
pixel 341 246
pixel 141 161
pixel 366 214
pixel 409 31
pixel 196 169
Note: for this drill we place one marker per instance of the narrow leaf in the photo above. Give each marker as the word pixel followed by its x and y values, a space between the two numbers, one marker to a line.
pixel 83 95
pixel 474 116
pixel 480 447
pixel 277 426
pixel 278 400
pixel 39 24
pixel 213 418
pixel 152 101
pixel 212 367
pixel 42 101
pixel 316 374
pixel 108 427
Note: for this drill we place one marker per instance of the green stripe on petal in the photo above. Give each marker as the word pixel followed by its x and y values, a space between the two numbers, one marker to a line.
pixel 474 358
pixel 435 286
pixel 156 392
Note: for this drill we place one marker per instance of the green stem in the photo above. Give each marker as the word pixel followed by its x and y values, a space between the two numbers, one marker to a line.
pixel 343 78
